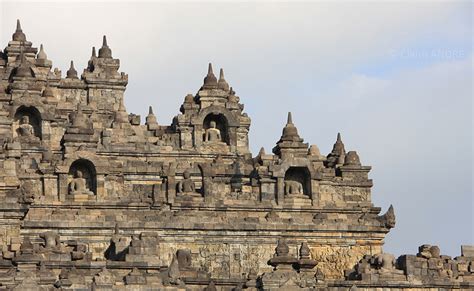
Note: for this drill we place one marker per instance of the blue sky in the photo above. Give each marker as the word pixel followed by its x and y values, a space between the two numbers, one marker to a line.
pixel 395 78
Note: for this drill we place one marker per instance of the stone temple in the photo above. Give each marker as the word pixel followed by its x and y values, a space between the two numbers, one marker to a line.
pixel 93 199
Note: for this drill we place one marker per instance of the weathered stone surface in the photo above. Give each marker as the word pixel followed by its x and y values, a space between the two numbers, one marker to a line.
pixel 93 199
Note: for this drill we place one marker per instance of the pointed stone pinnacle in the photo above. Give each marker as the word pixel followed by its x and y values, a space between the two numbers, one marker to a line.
pixel 339 137
pixel 390 209
pixel 48 92
pixel 71 73
pixel 209 70
pixel 290 119
pixel 210 81
pixel 105 52
pixel 173 270
pixel 262 151
pixel 150 119
pixel 93 52
pixel 24 69
pixel 222 83
pixel 121 116
pixel 18 35
pixel 305 252
pixel 41 54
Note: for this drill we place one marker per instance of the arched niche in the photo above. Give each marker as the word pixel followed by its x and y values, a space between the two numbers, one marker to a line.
pixel 28 121
pixel 297 181
pixel 221 124
pixel 88 171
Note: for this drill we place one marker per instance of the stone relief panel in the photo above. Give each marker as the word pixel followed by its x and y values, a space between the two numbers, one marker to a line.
pixel 354 193
pixel 115 187
pixel 329 195
pixel 74 96
pixel 31 190
pixel 333 261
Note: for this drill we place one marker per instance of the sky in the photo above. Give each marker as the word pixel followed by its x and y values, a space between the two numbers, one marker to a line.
pixel 395 78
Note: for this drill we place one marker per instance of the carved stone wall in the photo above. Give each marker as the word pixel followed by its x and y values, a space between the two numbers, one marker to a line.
pixel 93 198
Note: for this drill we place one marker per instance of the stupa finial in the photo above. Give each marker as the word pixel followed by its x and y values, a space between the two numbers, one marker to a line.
pixel 18 35
pixel 105 52
pixel 222 83
pixel 71 73
pixel 290 119
pixel 210 81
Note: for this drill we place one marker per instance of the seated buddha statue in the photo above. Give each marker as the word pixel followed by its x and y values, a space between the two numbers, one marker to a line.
pixel 213 134
pixel 26 129
pixel 187 184
pixel 79 185
pixel 293 188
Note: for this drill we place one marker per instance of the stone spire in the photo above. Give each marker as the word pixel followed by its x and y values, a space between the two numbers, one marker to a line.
pixel 71 73
pixel 24 69
pixel 210 81
pixel 222 83
pixel 352 159
pixel 282 248
pixel 305 262
pixel 290 132
pixel 48 91
pixel 260 155
pixel 18 35
pixel 338 153
pixel 105 52
pixel 305 252
pixel 79 119
pixel 211 286
pixel 90 63
pixel 232 97
pixel 173 269
pixel 41 55
pixel 150 120
pixel 290 141
pixel 339 145
pixel 121 115
pixel 282 258
pixel 314 151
